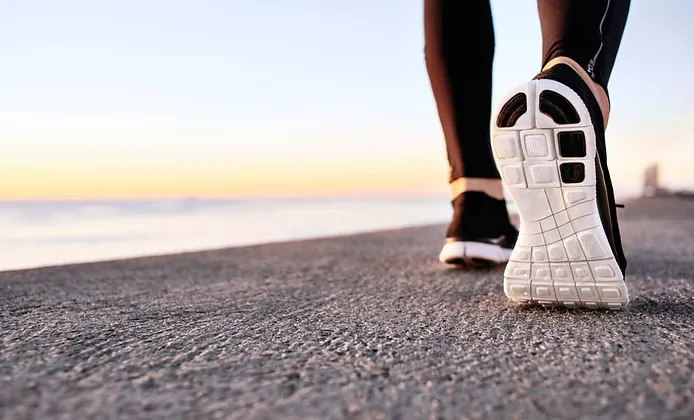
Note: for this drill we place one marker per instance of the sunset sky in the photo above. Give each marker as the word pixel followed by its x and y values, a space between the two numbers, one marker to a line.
pixel 286 97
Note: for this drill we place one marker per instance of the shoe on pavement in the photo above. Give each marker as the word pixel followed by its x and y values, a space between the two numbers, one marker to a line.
pixel 480 233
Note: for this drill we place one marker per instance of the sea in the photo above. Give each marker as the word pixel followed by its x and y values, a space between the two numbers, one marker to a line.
pixel 44 233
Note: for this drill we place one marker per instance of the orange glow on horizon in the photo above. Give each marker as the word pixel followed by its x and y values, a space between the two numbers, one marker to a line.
pixel 403 177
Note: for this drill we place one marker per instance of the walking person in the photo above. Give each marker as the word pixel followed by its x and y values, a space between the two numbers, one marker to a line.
pixel 545 144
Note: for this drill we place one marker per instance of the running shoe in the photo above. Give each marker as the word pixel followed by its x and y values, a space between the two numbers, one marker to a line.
pixel 480 233
pixel 548 140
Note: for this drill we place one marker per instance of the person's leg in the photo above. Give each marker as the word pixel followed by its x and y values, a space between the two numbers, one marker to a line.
pixel 587 32
pixel 549 145
pixel 459 51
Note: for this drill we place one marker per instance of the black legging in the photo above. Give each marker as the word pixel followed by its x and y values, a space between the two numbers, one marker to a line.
pixel 459 51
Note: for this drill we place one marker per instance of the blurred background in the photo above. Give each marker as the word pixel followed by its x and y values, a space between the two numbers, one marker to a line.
pixel 144 127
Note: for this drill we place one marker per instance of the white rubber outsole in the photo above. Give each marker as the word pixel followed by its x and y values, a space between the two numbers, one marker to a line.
pixel 562 256
pixel 473 253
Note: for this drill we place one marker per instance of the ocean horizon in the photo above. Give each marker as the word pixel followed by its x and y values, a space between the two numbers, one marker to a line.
pixel 45 232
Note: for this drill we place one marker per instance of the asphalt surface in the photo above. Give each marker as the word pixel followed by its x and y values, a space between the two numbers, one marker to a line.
pixel 365 326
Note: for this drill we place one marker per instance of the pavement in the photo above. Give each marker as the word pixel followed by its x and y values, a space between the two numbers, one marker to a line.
pixel 363 326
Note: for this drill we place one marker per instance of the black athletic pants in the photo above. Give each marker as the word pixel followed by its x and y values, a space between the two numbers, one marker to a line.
pixel 459 51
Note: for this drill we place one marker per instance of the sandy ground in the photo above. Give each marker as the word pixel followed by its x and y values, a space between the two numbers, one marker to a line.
pixel 364 326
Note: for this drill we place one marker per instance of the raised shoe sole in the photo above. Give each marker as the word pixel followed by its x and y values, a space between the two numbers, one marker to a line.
pixel 562 256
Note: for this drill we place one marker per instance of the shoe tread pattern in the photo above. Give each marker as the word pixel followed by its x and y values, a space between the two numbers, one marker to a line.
pixel 562 256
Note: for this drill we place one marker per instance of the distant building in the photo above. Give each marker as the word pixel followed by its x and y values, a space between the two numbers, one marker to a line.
pixel 652 188
pixel 651 185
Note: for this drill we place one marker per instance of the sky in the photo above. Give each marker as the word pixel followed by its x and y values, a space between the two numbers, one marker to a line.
pixel 216 98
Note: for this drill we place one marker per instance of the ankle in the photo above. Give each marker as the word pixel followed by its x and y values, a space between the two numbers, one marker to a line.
pixel 598 91
pixel 490 186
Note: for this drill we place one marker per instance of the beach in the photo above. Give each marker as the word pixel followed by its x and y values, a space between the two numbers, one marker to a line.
pixel 369 325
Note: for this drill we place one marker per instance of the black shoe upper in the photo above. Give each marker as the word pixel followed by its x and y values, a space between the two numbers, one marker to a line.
pixel 480 218
pixel 564 74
